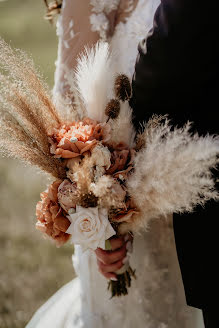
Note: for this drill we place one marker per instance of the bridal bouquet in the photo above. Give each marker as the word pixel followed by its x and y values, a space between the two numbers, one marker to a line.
pixel 108 179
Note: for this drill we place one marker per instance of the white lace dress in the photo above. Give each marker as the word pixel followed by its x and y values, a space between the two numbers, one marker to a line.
pixel 156 299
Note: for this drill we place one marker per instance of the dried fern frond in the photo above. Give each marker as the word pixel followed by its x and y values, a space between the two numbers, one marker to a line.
pixel 27 112
pixel 173 172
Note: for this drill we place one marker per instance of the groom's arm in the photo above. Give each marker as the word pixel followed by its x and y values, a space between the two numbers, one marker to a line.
pixel 177 73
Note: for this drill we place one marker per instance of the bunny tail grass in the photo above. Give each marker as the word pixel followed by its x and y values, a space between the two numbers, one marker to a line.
pixel 95 78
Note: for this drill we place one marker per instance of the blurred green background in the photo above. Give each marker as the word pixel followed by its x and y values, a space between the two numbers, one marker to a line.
pixel 32 268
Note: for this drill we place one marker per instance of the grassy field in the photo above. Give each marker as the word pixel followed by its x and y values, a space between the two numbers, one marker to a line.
pixel 32 268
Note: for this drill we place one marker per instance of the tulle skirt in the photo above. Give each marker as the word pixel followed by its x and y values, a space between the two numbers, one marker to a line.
pixel 62 310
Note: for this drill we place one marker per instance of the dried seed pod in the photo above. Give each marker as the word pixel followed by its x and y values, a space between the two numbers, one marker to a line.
pixel 123 88
pixel 112 109
pixel 88 200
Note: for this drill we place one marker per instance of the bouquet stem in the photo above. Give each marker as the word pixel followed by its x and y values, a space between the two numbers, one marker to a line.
pixel 120 287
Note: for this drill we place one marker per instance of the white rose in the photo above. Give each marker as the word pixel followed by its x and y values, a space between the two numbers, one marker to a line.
pixel 90 227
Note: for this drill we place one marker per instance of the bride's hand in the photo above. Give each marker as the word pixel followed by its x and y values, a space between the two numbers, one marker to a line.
pixel 111 261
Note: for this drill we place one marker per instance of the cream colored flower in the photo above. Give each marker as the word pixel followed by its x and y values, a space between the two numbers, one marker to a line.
pixel 90 227
pixel 100 160
pixel 100 156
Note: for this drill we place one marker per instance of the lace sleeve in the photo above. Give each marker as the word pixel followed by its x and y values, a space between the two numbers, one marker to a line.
pixel 74 32
pixel 83 23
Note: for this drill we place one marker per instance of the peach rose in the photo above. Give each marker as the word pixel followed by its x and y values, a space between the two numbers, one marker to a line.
pixel 74 140
pixel 121 163
pixel 51 219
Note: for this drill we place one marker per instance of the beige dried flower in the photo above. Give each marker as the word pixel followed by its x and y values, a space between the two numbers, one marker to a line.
pixel 109 192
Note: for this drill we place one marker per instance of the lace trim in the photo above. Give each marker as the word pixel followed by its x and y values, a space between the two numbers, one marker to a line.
pixel 68 34
pixel 130 6
pixel 98 20
pixel 100 23
pixel 106 6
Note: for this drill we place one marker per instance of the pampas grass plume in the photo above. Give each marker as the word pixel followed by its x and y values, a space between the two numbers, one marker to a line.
pixel 172 173
pixel 27 113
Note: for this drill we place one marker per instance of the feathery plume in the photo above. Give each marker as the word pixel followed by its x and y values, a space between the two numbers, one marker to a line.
pixel 94 78
pixel 27 112
pixel 122 127
pixel 146 131
pixel 173 173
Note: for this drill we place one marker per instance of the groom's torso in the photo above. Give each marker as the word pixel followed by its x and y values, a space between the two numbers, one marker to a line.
pixel 177 72
pixel 180 76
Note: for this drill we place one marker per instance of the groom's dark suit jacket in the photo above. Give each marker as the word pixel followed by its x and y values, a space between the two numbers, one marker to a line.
pixel 177 72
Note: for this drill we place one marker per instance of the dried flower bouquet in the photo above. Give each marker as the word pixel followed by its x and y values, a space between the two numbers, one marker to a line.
pixel 108 179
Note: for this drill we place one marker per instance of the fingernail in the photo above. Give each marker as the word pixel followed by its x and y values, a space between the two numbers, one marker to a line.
pixel 125 260
pixel 129 246
pixel 114 279
pixel 126 237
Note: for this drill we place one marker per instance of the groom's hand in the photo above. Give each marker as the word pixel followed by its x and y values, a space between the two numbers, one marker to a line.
pixel 110 261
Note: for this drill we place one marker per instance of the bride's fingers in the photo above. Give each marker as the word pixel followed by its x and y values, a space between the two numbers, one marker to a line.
pixel 109 257
pixel 111 261
pixel 109 275
pixel 117 242
pixel 103 268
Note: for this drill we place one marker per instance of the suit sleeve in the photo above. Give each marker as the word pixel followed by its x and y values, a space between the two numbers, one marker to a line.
pixel 176 73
